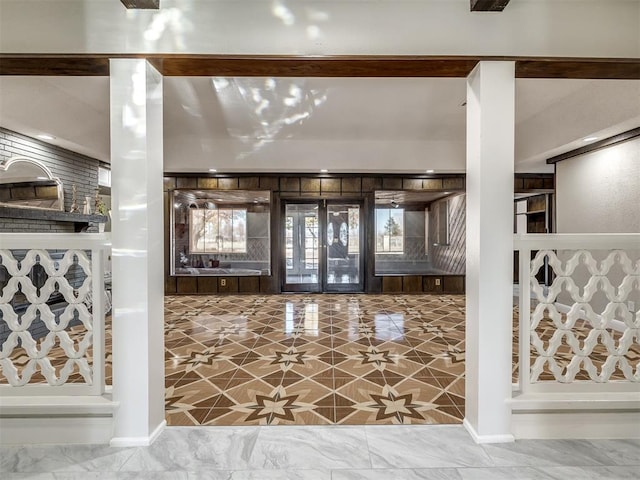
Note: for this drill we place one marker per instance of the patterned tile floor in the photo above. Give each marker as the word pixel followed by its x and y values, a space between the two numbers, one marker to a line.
pixel 314 359
pixel 320 359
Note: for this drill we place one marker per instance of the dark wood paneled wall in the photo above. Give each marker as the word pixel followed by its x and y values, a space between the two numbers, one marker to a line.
pixel 299 187
pixel 534 183
pixel 435 284
pixel 452 256
pixel 292 186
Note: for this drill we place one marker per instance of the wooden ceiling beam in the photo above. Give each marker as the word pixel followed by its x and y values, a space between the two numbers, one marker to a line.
pixel 54 65
pixel 142 4
pixel 343 66
pixel 595 69
pixel 488 5
pixel 322 66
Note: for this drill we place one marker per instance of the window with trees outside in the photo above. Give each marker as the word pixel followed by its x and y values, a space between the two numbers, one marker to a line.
pixel 389 230
pixel 222 230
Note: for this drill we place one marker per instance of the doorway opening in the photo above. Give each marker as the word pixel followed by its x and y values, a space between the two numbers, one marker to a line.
pixel 324 246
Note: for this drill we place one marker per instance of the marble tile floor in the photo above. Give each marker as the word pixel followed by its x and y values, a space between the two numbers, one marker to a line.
pixel 385 452
pixel 314 359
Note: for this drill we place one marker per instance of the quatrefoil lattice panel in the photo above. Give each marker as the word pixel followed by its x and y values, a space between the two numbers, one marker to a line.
pixel 76 350
pixel 582 335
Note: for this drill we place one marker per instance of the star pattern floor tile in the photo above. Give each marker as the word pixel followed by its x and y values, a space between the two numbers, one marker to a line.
pixel 314 359
pixel 318 359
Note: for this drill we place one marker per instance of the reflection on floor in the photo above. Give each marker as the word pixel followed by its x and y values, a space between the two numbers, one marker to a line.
pixel 320 359
pixel 314 359
pixel 389 452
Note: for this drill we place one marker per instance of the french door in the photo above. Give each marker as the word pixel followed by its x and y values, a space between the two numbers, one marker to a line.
pixel 323 243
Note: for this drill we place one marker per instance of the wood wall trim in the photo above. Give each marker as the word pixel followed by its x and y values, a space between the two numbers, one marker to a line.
pixel 63 65
pixel 488 5
pixel 368 182
pixel 596 69
pixel 141 4
pixel 607 142
pixel 320 66
pixel 329 66
pixel 316 175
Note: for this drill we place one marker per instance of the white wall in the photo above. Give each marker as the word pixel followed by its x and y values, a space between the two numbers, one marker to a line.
pixel 599 192
pixel 584 28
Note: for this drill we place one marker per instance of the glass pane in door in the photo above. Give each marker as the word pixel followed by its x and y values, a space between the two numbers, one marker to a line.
pixel 343 244
pixel 302 243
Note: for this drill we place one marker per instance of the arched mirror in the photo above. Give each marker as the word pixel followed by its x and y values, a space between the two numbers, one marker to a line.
pixel 28 183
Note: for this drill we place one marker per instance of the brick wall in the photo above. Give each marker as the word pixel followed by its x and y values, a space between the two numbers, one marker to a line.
pixel 26 225
pixel 68 166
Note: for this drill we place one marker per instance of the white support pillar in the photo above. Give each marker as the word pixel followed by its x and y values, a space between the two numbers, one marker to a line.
pixel 137 234
pixel 489 277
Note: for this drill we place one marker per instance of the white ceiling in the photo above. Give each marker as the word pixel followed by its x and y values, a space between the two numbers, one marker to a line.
pixel 526 28
pixel 304 124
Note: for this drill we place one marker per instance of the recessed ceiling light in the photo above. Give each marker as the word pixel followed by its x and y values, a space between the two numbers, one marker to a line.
pixel 589 139
pixel 44 136
pixel 430 171
pixel 213 170
pixel 324 170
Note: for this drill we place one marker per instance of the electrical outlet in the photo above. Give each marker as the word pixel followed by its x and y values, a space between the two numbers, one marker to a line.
pixel 223 282
pixel 437 282
pixel 631 306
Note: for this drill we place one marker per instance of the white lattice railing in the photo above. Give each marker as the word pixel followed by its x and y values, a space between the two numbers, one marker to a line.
pixel 581 332
pixel 64 360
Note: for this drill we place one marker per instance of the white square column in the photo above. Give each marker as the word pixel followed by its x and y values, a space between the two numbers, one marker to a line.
pixel 489 276
pixel 137 235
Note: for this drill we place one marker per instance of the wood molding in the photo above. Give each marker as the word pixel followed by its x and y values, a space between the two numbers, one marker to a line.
pixel 488 5
pixel 141 4
pixel 607 142
pixel 54 65
pixel 321 66
pixel 595 68
pixel 319 175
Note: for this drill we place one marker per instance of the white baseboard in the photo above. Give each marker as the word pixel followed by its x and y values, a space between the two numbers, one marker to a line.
pixel 34 420
pixel 139 441
pixel 576 424
pixel 502 438
pixel 40 430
